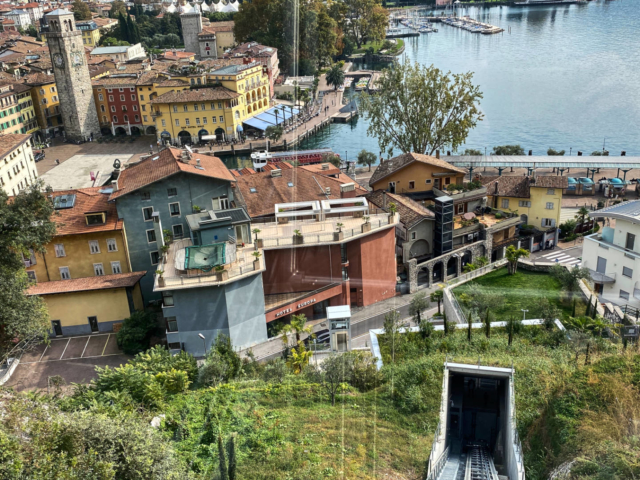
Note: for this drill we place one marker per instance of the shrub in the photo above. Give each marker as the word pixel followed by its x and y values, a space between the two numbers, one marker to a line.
pixel 221 364
pixel 275 371
pixel 136 332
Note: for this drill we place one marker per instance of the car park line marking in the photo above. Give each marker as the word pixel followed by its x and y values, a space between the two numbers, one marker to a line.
pixel 45 349
pixel 65 349
pixel 105 344
pixel 74 358
pixel 85 347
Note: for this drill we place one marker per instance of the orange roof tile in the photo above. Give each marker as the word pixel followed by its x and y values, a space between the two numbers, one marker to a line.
pixel 71 221
pixel 103 282
pixel 168 162
pixel 11 141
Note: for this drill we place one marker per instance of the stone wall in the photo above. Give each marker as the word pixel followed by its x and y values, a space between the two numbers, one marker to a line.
pixel 477 249
pixel 191 27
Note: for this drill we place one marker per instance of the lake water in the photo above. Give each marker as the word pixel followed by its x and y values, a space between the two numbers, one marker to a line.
pixel 564 77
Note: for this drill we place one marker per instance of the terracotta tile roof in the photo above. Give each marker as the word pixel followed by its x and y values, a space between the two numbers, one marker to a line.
pixel 177 55
pixel 71 221
pixel 103 282
pixel 215 63
pixel 197 95
pixel 520 187
pixel 168 163
pixel 411 212
pixel 270 190
pixel 397 163
pixel 39 78
pixel 173 82
pixel 102 22
pixel 11 141
pixel 252 49
pixel 217 27
pixel 128 81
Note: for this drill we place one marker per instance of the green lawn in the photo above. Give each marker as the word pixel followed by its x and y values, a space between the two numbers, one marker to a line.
pixel 377 46
pixel 523 291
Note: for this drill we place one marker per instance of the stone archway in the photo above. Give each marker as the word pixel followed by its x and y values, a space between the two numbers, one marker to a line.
pixel 135 131
pixel 219 133
pixel 452 266
pixel 105 131
pixel 438 272
pixel 201 134
pixel 184 138
pixel 467 258
pixel 120 131
pixel 424 277
pixel 151 130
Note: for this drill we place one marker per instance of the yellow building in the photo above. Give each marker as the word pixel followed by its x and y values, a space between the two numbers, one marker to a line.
pixel 90 33
pixel 90 305
pixel 413 173
pixel 539 198
pixel 27 110
pixel 149 86
pixel 10 117
pixel 232 94
pixel 90 239
pixel 46 102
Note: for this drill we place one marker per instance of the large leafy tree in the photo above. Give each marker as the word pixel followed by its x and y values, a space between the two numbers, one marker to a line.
pixel 25 227
pixel 421 109
pixel 570 278
pixel 366 158
pixel 81 10
pixel 368 20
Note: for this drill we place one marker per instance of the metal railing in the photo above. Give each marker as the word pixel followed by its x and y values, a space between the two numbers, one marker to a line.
pixel 213 278
pixel 312 238
pixel 435 471
pixel 517 446
pixel 478 272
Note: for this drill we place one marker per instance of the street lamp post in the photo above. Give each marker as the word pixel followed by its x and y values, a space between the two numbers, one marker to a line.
pixel 524 313
pixel 203 343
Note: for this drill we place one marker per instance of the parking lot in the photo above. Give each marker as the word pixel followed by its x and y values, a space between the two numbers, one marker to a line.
pixel 72 358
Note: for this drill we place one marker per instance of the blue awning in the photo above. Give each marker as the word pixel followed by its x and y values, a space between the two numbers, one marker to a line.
pixel 257 124
pixel 239 128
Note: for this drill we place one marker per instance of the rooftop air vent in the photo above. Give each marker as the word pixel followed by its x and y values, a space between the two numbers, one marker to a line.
pixel 276 172
pixel 328 190
pixel 348 187
pixel 325 166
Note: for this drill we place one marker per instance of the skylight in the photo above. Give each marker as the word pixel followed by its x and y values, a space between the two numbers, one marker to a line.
pixel 290 184
pixel 253 190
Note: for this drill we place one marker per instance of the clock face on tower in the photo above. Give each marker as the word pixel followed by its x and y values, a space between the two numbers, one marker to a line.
pixel 58 60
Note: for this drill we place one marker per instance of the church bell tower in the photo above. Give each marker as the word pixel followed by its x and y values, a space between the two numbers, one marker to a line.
pixel 72 76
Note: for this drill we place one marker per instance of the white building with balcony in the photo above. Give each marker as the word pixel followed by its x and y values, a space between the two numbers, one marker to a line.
pixel 613 255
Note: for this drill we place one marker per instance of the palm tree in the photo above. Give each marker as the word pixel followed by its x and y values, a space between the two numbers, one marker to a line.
pixel 335 76
pixel 296 326
pixel 437 297
pixel 512 255
pixel 582 214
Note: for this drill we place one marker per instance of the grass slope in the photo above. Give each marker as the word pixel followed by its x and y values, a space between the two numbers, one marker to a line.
pixel 523 291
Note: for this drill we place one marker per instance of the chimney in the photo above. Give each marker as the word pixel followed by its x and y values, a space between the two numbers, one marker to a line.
pixel 348 190
pixel 198 163
pixel 325 166
pixel 328 190
pixel 185 157
pixel 530 152
pixel 438 154
pixel 276 172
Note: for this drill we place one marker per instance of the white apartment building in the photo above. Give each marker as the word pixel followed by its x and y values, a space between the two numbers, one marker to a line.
pixel 120 54
pixel 17 165
pixel 613 255
pixel 21 18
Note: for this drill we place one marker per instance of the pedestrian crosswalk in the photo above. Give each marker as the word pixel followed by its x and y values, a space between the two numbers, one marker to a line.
pixel 561 257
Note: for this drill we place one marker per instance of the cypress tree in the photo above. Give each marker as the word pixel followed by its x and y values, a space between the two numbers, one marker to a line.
pixel 487 324
pixel 587 313
pixel 124 27
pixel 469 328
pixel 132 29
pixel 573 311
pixel 231 447
pixel 222 461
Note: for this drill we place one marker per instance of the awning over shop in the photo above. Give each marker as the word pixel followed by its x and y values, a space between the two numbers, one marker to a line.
pixel 257 124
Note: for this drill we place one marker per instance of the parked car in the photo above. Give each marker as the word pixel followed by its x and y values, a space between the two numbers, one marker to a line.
pixel 38 155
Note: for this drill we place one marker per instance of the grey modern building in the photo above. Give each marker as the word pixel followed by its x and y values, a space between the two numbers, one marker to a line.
pixel 167 186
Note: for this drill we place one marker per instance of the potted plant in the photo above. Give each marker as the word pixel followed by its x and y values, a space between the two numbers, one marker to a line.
pixel 196 209
pixel 223 274
pixel 259 243
pixel 168 236
pixel 338 236
pixel 282 219
pixel 298 239
pixel 160 279
pixel 392 212
pixel 256 262
pixel 366 226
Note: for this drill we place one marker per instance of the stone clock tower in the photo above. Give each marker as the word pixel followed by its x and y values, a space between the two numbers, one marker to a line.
pixel 72 76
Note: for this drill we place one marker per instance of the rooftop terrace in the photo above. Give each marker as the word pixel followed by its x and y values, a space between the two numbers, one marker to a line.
pixel 239 262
